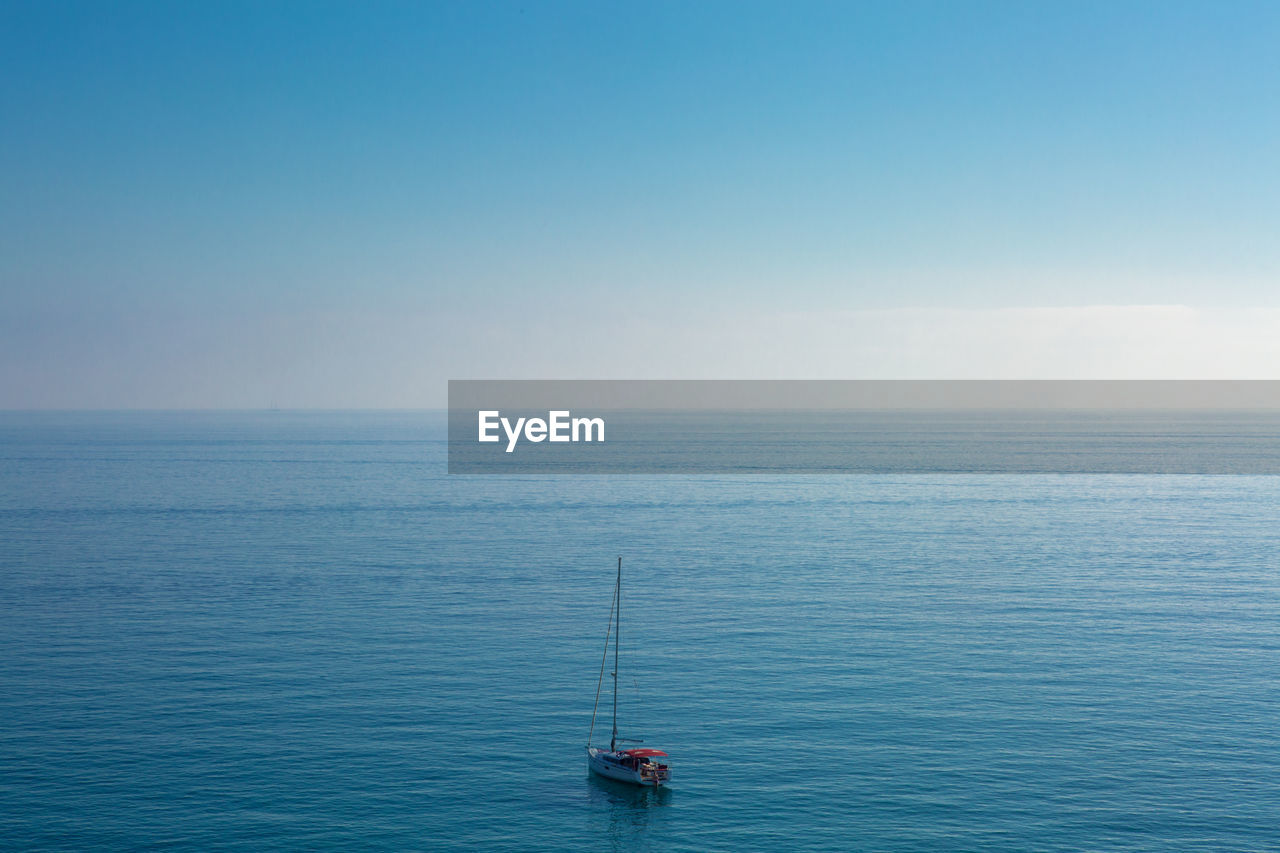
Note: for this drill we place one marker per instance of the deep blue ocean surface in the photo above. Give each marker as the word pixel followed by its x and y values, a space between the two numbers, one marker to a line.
pixel 256 631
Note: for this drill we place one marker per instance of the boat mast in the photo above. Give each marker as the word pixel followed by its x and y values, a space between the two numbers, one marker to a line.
pixel 617 609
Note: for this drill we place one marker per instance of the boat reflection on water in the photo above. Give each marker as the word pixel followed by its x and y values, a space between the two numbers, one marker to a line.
pixel 605 790
pixel 624 811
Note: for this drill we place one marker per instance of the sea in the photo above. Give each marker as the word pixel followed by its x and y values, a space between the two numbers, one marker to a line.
pixel 295 631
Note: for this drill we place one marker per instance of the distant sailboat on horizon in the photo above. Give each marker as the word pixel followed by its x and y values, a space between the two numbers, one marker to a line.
pixel 626 765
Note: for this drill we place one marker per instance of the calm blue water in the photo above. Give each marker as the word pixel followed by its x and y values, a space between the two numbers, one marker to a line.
pixel 276 630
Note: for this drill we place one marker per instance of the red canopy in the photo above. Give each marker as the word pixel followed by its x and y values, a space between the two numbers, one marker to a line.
pixel 642 753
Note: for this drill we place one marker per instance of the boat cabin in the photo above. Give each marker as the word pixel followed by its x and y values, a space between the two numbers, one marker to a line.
pixel 641 759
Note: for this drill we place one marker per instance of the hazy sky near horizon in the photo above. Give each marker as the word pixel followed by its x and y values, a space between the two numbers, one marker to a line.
pixel 318 204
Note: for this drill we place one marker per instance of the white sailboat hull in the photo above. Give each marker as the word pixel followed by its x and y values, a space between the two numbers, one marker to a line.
pixel 609 765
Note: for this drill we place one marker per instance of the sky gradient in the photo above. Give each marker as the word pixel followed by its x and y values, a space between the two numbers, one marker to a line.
pixel 342 205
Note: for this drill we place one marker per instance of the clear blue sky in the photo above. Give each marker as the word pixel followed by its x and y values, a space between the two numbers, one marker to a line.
pixel 320 204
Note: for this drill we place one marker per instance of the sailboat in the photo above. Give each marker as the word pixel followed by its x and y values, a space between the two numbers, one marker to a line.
pixel 639 766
